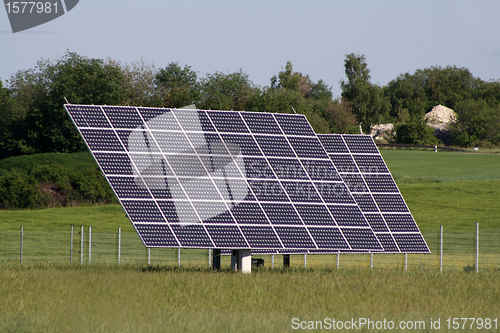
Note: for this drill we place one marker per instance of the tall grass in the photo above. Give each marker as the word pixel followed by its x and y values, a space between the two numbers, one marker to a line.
pixel 53 298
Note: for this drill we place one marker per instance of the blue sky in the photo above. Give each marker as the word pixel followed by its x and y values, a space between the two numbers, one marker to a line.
pixel 260 36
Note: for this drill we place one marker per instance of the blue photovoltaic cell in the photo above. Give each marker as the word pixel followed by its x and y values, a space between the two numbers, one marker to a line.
pixel 315 215
pixel 290 236
pixel 88 116
pixel 143 211
pixel 301 191
pixel 320 170
pixel 287 168
pixel 155 235
pixel 327 238
pixel 123 117
pixel 360 144
pixel 245 142
pixel 227 237
pixel 228 121
pixel 281 214
pixel 387 242
pixel 261 123
pixel 365 202
pixel 294 124
pixel 360 238
pixel 333 144
pixel 129 187
pixel 377 222
pixel 225 179
pixel 257 167
pixel 114 163
pixel 101 140
pixel 249 213
pixel 274 146
pixel 344 163
pixel 261 237
pixel 381 183
pixel 193 235
pixel 307 147
pixel 410 242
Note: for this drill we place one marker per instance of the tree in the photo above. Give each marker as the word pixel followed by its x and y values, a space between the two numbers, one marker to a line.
pixel 413 129
pixel 421 91
pixel 231 91
pixel 478 124
pixel 178 86
pixel 340 117
pixel 363 96
pixel 140 86
pixel 40 123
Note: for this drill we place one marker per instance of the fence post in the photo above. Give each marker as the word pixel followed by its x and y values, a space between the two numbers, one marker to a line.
pixel 90 244
pixel 22 244
pixel 272 261
pixel 305 260
pixel 119 243
pixel 406 262
pixel 371 260
pixel 71 247
pixel 149 256
pixel 338 260
pixel 179 257
pixel 209 257
pixel 81 247
pixel 477 247
pixel 441 248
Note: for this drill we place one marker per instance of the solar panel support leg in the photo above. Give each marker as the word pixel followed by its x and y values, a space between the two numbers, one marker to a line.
pixel 286 260
pixel 241 260
pixel 216 260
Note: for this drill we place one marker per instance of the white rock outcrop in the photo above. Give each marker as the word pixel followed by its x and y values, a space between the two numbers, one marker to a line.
pixel 440 117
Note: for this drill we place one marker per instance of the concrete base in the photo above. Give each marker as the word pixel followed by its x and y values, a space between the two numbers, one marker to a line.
pixel 241 260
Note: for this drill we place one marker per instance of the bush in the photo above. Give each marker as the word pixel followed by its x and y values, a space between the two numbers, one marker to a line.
pixel 47 180
pixel 414 130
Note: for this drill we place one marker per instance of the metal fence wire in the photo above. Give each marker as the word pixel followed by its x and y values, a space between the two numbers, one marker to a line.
pixel 468 251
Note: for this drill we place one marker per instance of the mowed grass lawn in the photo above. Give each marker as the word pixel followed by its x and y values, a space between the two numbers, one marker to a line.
pixel 455 190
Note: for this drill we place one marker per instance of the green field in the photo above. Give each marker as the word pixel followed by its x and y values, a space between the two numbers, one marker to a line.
pixel 452 189
pixel 51 298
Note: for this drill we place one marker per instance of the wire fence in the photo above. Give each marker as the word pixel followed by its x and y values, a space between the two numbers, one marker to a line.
pixel 468 251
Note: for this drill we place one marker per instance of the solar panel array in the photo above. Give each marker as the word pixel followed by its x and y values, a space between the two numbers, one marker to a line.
pixel 224 179
pixel 362 168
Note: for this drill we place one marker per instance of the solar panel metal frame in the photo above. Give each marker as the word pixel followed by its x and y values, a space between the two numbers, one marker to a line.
pixel 108 131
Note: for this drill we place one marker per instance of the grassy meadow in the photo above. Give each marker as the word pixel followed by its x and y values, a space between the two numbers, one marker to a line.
pixel 52 298
pixel 452 189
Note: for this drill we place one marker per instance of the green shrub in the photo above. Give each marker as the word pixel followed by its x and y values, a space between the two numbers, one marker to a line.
pixel 48 180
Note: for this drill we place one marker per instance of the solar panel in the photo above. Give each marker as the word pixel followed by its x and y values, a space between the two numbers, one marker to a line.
pixel 224 179
pixel 365 173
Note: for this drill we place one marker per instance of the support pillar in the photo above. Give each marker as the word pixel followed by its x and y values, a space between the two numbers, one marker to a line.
pixel 286 260
pixel 216 260
pixel 241 260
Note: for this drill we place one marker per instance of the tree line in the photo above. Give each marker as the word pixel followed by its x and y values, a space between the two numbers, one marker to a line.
pixel 34 120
